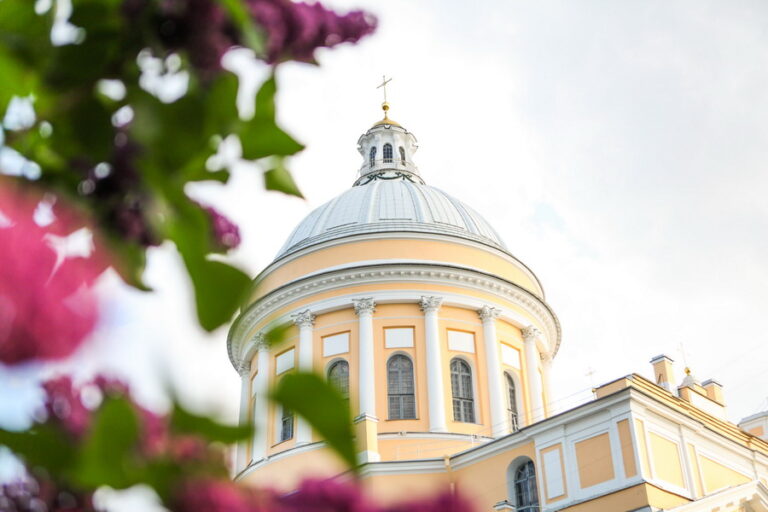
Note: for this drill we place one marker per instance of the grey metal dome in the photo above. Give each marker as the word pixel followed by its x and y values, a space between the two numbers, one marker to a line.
pixel 391 202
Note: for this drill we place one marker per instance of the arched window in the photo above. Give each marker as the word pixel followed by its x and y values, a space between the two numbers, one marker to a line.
pixel 372 157
pixel 514 420
pixel 286 424
pixel 526 494
pixel 402 401
pixel 387 153
pixel 338 376
pixel 402 155
pixel 461 386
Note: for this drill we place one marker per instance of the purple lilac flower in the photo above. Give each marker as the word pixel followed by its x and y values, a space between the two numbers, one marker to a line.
pixel 294 30
pixel 225 232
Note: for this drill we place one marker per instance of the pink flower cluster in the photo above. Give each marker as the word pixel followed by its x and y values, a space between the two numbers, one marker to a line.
pixel 47 306
pixel 312 496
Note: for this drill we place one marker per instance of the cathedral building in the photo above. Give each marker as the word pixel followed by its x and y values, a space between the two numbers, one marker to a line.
pixel 410 302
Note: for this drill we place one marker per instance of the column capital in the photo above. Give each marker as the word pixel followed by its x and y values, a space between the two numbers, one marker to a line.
pixel 260 339
pixel 364 305
pixel 244 368
pixel 488 313
pixel 530 333
pixel 303 318
pixel 430 304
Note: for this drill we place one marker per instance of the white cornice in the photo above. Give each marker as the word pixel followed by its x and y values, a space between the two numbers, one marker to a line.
pixel 457 277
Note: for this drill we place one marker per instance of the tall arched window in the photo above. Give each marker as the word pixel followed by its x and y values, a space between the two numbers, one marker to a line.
pixel 338 376
pixel 514 420
pixel 461 386
pixel 372 156
pixel 387 152
pixel 286 424
pixel 526 494
pixel 402 401
pixel 402 155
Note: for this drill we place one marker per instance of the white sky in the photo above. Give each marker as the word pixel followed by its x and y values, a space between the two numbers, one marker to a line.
pixel 617 147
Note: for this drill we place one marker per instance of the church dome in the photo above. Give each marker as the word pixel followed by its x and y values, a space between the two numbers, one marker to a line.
pixel 391 202
pixel 390 196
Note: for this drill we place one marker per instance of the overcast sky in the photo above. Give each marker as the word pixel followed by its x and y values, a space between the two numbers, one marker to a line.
pixel 619 149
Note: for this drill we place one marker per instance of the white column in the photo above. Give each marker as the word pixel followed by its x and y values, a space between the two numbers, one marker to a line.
pixel 245 400
pixel 546 368
pixel 532 358
pixel 435 387
pixel 260 390
pixel 496 394
pixel 304 320
pixel 364 309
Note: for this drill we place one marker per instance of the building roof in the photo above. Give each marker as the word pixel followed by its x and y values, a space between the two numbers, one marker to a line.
pixel 391 202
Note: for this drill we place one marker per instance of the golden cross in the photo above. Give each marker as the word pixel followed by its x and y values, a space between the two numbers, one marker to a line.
pixel 384 82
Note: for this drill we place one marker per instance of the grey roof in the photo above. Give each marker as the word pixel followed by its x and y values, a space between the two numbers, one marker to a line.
pixel 391 205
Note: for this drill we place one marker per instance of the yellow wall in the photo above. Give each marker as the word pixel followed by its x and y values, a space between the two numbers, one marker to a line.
pixel 666 460
pixel 286 473
pixel 716 476
pixel 388 489
pixel 423 448
pixel 627 499
pixel 424 250
pixel 485 482
pixel 594 459
pixel 664 500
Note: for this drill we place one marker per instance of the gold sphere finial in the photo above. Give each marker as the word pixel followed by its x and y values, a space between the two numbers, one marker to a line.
pixel 385 108
pixel 687 371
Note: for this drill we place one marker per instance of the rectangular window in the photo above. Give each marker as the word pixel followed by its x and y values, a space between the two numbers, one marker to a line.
pixel 286 424
pixel 284 361
pixel 335 344
pixel 398 337
pixel 510 356
pixel 461 341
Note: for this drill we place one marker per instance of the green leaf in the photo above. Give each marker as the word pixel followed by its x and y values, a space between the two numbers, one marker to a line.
pixel 219 290
pixel 239 14
pixel 281 180
pixel 276 334
pixel 107 456
pixel 185 422
pixel 41 446
pixel 261 137
pixel 323 406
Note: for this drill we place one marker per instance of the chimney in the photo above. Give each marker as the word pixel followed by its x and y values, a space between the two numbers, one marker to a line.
pixel 714 391
pixel 664 371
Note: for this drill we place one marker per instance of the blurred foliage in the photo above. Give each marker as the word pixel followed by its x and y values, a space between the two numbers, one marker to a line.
pixel 86 116
pixel 324 408
pixel 127 157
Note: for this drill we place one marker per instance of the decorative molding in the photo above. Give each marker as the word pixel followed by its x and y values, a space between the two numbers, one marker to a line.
pixel 488 313
pixel 467 279
pixel 260 341
pixel 430 304
pixel 244 369
pixel 303 318
pixel 364 305
pixel 530 333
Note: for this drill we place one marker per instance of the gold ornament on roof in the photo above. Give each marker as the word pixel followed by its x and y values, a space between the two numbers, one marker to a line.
pixel 385 105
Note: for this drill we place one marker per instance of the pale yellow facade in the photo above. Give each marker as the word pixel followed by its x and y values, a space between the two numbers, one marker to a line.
pixel 447 345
